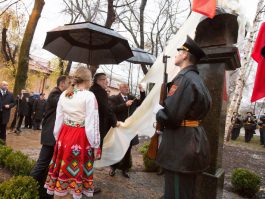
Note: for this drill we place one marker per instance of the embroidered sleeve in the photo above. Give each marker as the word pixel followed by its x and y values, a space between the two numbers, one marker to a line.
pixel 92 122
pixel 59 119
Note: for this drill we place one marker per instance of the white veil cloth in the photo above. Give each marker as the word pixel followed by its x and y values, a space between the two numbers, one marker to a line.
pixel 141 122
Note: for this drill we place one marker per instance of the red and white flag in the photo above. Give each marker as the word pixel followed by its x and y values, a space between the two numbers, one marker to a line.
pixel 259 85
pixel 205 7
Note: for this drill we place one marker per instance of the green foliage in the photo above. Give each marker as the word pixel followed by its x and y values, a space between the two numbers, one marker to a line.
pixel 18 163
pixel 149 165
pixel 245 182
pixel 19 187
pixel 4 152
pixel 2 142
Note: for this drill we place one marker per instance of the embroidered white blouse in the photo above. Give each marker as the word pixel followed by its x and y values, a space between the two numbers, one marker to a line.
pixel 81 109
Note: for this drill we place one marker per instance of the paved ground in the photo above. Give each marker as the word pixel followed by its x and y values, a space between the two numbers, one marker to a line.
pixel 143 185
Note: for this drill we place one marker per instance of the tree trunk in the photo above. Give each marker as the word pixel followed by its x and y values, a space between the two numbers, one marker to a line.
pixel 109 21
pixel 22 71
pixel 61 66
pixel 110 15
pixel 142 8
pixel 244 72
pixel 68 68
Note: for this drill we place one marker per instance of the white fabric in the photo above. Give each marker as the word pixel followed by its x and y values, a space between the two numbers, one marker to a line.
pixel 141 122
pixel 82 106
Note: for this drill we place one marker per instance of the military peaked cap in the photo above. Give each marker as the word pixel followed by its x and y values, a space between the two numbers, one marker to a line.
pixel 193 48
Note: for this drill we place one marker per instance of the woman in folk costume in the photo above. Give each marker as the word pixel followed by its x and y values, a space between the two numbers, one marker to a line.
pixel 77 140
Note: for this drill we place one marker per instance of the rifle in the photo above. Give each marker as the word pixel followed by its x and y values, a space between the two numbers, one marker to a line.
pixel 153 146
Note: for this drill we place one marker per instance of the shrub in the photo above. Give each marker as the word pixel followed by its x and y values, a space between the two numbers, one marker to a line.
pixel 149 165
pixel 2 142
pixel 18 163
pixel 19 187
pixel 245 182
pixel 4 152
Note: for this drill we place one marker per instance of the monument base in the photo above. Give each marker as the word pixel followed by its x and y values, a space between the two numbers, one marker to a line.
pixel 210 186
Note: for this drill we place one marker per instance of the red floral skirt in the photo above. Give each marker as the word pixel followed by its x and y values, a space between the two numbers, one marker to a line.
pixel 71 167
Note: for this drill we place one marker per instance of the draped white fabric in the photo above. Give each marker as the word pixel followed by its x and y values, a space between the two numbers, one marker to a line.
pixel 141 122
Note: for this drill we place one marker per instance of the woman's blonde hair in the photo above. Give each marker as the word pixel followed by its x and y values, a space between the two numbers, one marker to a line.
pixel 82 74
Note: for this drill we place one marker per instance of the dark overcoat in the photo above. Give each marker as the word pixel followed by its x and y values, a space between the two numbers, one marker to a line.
pixel 7 99
pixel 107 118
pixel 39 109
pixel 184 149
pixel 122 111
pixel 48 122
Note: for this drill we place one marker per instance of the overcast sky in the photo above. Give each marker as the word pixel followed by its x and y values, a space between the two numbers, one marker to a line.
pixel 52 17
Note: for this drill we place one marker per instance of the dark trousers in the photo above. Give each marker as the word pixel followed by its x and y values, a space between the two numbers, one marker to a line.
pixel 248 135
pixel 235 133
pixel 36 124
pixel 124 164
pixel 28 121
pixel 14 121
pixel 3 132
pixel 262 135
pixel 2 127
pixel 40 170
pixel 20 120
pixel 179 186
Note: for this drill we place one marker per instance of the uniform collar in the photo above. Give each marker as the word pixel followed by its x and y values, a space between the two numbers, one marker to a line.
pixel 189 68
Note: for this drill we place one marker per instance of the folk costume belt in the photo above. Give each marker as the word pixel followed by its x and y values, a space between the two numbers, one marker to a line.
pixel 190 123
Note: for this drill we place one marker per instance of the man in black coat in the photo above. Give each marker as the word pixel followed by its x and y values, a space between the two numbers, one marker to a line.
pixel 107 118
pixel 28 119
pixel 6 103
pixel 40 170
pixel 123 106
pixel 184 150
pixel 262 129
pixel 38 111
pixel 22 110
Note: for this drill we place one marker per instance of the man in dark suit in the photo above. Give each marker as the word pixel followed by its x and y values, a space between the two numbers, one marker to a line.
pixel 40 170
pixel 123 106
pixel 39 111
pixel 6 103
pixel 22 108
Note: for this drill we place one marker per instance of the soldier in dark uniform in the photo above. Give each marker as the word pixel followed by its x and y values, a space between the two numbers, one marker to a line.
pixel 237 124
pixel 262 129
pixel 184 150
pixel 250 126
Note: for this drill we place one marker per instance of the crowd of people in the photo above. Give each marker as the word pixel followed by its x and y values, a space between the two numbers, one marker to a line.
pixel 77 116
pixel 30 108
pixel 249 123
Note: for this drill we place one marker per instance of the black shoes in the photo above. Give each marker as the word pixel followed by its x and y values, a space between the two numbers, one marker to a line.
pixel 125 174
pixel 97 190
pixel 112 172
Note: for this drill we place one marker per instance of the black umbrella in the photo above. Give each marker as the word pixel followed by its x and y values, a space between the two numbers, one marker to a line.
pixel 141 57
pixel 87 43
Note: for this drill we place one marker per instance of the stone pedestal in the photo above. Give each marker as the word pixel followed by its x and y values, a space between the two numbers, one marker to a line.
pixel 216 37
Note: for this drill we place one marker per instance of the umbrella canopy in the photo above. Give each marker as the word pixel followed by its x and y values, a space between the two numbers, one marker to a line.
pixel 87 43
pixel 141 57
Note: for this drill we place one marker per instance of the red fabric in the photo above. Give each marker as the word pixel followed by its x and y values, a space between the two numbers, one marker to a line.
pixel 71 168
pixel 259 85
pixel 205 7
pixel 260 42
